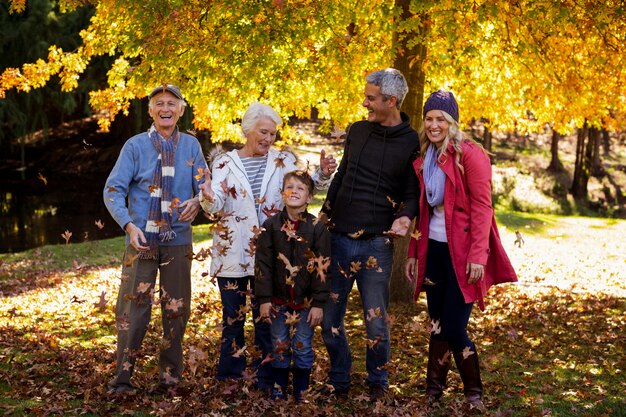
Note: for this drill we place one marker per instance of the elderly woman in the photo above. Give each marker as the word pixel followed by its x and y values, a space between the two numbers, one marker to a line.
pixel 457 254
pixel 245 189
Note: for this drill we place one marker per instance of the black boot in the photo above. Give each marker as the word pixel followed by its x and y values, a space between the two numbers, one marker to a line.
pixel 301 378
pixel 439 359
pixel 470 375
pixel 281 381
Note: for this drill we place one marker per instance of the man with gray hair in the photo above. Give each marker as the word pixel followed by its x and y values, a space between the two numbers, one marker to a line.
pixel 372 198
pixel 151 193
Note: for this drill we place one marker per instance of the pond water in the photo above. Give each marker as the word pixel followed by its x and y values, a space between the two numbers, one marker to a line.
pixel 32 218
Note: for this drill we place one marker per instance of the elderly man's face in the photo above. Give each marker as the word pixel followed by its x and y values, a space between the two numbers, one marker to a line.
pixel 165 111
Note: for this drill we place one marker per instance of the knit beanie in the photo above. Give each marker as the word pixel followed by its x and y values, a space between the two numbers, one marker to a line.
pixel 442 100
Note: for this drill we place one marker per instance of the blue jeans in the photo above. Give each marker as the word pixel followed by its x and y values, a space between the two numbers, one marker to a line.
pixel 373 285
pixel 446 304
pixel 299 346
pixel 233 339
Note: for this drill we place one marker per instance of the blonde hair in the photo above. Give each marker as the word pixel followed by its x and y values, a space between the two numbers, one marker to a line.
pixel 455 137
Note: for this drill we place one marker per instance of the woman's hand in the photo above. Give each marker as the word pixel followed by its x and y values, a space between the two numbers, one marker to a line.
pixel 328 165
pixel 205 187
pixel 410 269
pixel 316 314
pixel 476 272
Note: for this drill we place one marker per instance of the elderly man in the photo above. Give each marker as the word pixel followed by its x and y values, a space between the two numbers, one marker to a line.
pixel 372 197
pixel 151 194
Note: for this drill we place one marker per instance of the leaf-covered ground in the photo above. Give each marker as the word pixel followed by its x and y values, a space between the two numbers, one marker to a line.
pixel 552 345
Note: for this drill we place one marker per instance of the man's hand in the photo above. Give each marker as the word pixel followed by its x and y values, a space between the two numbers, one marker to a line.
pixel 328 165
pixel 190 209
pixel 410 270
pixel 400 227
pixel 316 314
pixel 205 187
pixel 137 238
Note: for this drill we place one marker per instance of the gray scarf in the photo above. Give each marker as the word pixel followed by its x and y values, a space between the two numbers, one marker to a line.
pixel 434 178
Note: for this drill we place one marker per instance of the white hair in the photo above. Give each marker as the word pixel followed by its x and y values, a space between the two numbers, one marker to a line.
pixel 255 112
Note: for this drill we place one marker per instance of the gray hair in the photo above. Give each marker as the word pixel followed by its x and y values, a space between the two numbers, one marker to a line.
pixel 255 112
pixel 181 103
pixel 391 82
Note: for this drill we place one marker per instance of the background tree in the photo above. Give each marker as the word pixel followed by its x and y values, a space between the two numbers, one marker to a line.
pixel 518 65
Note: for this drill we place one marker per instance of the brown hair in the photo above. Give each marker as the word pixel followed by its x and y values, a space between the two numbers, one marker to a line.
pixel 303 177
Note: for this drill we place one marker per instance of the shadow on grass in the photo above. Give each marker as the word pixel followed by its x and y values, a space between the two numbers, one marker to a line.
pixel 526 222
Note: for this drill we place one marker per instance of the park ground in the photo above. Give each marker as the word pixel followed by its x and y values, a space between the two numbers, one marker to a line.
pixel 550 345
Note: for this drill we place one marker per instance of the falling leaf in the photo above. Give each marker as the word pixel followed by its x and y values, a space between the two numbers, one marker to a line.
pixel 130 259
pixel 99 224
pixel 337 133
pixel 102 302
pixel 292 318
pixel 238 353
pixel 334 331
pixel 152 188
pixel 288 228
pixel 190 162
pixel 223 164
pixel 230 286
pixel 232 191
pixel 435 327
pixel 292 269
pixel 260 201
pixel 42 178
pixel 416 234
pixel 270 211
pixel 372 263
pixel 280 162
pixel 373 313
pixel 67 235
pixel 428 282
pixel 393 203
pixel 200 174
pixel 467 352
pixel 174 304
pixel 111 189
pixel 334 297
pixel 143 287
pixel 356 234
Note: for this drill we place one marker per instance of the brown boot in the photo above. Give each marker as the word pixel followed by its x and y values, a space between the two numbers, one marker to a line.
pixel 438 365
pixel 470 375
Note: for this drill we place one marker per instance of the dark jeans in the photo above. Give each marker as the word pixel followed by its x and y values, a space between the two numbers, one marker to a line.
pixel 373 285
pixel 446 306
pixel 234 317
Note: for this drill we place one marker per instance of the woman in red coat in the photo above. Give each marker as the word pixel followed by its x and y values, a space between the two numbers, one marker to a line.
pixel 457 254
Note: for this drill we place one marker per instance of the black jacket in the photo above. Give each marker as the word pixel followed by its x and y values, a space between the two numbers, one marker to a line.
pixel 375 182
pixel 270 271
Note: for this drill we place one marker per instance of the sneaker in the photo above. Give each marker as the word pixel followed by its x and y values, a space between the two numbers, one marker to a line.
pixel 377 392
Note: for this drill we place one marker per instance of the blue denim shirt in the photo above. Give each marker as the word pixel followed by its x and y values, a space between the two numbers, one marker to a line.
pixel 127 190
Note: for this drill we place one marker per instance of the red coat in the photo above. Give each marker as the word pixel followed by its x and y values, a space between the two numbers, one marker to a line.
pixel 470 223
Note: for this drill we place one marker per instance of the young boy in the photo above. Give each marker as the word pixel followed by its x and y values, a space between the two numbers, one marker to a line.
pixel 290 286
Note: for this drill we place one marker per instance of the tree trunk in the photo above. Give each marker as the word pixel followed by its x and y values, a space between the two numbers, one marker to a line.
pixel 606 142
pixel 581 172
pixel 555 163
pixel 487 138
pixel 409 60
pixel 594 139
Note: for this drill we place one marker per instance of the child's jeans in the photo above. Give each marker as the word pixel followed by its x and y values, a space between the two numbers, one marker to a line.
pixel 299 345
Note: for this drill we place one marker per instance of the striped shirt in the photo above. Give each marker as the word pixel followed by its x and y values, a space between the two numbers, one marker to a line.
pixel 255 169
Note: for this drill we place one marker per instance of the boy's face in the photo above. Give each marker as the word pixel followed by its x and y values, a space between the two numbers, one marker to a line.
pixel 296 194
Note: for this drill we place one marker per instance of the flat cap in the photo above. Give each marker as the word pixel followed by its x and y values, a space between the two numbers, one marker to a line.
pixel 166 87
